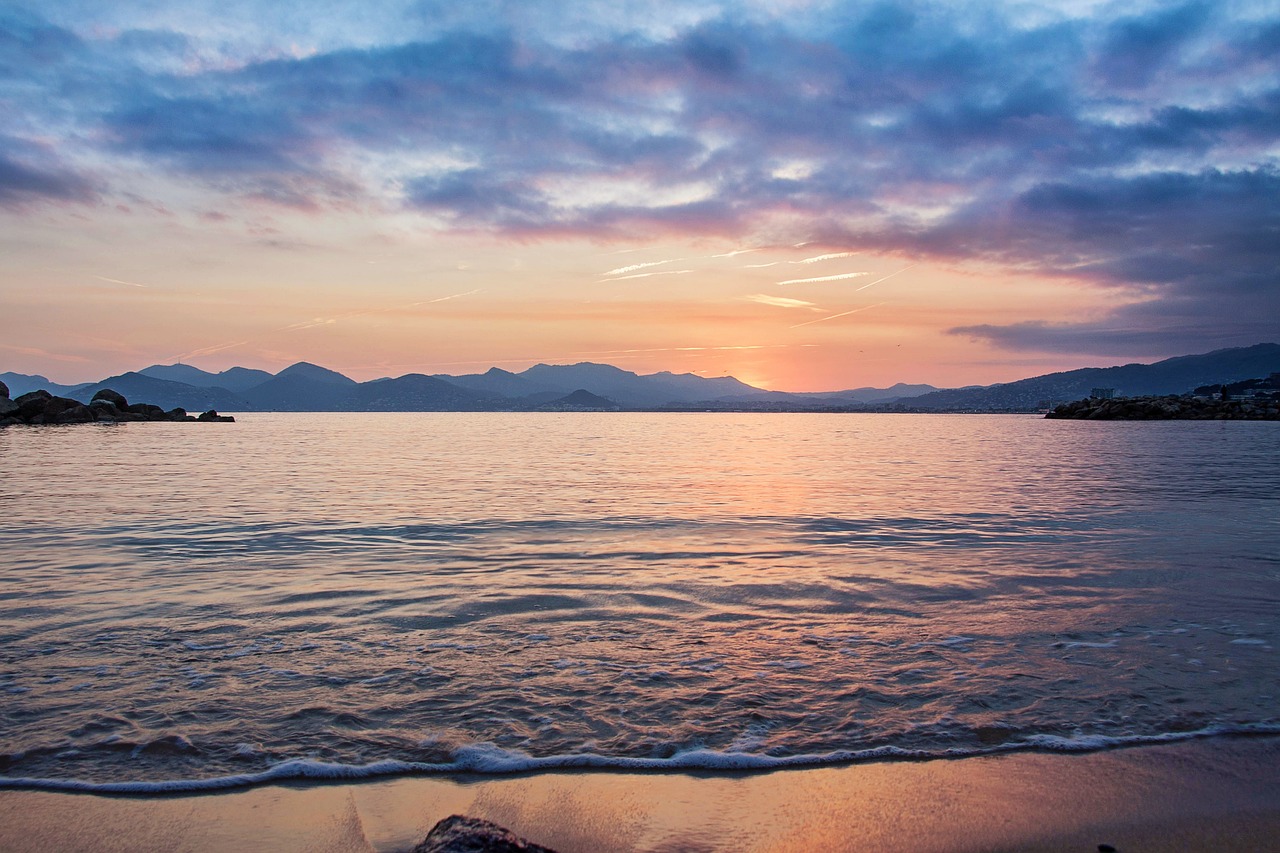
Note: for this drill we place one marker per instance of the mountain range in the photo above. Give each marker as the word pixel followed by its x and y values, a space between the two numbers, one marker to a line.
pixel 588 386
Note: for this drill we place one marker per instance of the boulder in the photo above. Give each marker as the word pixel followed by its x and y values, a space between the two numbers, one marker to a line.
pixel 458 834
pixel 41 407
pixel 112 397
pixel 4 390
pixel 80 414
pixel 148 411
pixel 33 395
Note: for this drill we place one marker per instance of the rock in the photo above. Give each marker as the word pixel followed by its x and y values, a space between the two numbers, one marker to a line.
pixel 458 834
pixel 41 407
pixel 80 414
pixel 4 390
pixel 33 395
pixel 111 397
pixel 148 411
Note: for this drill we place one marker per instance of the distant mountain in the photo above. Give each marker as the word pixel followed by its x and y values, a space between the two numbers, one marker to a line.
pixel 631 390
pixel 579 401
pixel 823 399
pixel 880 395
pixel 1172 376
pixel 415 392
pixel 22 383
pixel 139 388
pixel 302 387
pixel 234 379
pixel 305 387
pixel 501 382
pixel 315 373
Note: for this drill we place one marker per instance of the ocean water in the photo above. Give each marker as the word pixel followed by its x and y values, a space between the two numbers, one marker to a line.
pixel 193 606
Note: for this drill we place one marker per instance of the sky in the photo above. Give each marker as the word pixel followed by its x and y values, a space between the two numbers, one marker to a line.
pixel 804 194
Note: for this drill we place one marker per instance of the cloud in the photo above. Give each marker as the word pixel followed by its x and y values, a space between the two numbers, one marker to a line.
pixel 24 183
pixel 780 301
pixel 839 277
pixel 1133 152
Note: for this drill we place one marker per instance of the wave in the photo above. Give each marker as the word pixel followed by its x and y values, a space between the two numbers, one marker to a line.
pixel 488 759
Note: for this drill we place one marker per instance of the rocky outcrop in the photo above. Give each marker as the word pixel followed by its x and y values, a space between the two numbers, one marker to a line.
pixel 458 834
pixel 1169 408
pixel 40 407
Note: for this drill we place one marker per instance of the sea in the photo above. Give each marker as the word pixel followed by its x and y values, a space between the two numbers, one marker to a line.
pixel 189 607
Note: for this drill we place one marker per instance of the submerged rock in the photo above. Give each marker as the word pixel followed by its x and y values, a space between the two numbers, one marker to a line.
pixel 459 834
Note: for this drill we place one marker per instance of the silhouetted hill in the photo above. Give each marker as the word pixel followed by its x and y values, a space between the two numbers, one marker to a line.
pixel 415 392
pixel 302 387
pixel 501 382
pixel 306 387
pixel 233 379
pixel 1178 375
pixel 580 401
pixel 22 383
pixel 315 373
pixel 162 393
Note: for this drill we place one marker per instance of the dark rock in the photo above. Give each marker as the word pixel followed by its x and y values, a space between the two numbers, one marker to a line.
pixel 112 397
pixel 150 412
pixel 458 834
pixel 41 407
pixel 4 390
pixel 32 396
pixel 81 414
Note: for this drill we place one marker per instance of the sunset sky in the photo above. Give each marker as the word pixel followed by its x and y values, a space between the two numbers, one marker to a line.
pixel 805 195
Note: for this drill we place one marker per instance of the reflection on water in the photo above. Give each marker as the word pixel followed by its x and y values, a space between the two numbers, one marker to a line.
pixel 191 601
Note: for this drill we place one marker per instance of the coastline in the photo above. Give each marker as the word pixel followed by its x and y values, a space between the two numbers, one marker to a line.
pixel 1214 793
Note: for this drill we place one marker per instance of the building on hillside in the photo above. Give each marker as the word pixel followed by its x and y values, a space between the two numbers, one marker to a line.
pixel 1102 393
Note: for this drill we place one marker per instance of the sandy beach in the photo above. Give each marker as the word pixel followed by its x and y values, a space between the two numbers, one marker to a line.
pixel 1214 794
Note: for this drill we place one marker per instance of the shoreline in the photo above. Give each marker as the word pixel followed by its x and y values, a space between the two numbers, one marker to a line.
pixel 1202 794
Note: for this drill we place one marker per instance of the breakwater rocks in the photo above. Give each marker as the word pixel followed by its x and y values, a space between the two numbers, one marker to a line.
pixel 1169 408
pixel 41 407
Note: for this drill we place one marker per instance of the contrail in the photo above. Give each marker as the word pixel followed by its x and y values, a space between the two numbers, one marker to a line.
pixel 780 301
pixel 735 252
pixel 856 310
pixel 886 278
pixel 831 257
pixel 840 277
pixel 834 316
pixel 644 274
pixel 634 267
pixel 759 266
pixel 118 281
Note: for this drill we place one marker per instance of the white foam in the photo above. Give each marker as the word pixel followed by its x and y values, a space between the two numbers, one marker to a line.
pixel 1248 641
pixel 490 759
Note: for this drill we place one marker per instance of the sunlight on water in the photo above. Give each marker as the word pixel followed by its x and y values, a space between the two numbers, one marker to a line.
pixel 492 591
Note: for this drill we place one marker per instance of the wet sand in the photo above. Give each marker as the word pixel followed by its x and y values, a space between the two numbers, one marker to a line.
pixel 1214 794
